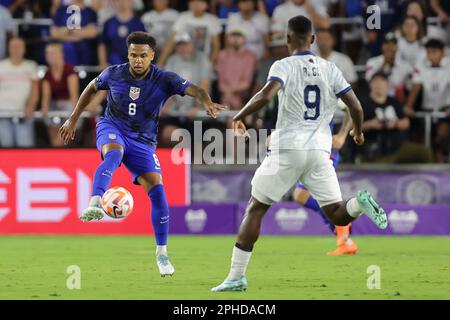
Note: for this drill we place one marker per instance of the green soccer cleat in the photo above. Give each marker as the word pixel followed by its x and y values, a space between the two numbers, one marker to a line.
pixel 92 213
pixel 232 285
pixel 372 209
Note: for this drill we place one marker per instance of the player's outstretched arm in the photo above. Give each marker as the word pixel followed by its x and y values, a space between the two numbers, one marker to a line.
pixel 68 129
pixel 204 99
pixel 259 100
pixel 357 114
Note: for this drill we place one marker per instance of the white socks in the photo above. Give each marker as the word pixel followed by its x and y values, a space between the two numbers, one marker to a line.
pixel 96 201
pixel 161 250
pixel 239 263
pixel 353 208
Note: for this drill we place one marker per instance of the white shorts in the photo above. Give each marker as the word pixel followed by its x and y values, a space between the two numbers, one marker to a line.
pixel 282 169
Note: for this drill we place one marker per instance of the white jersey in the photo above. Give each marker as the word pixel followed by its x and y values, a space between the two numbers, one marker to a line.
pixel 16 84
pixel 435 82
pixel 307 101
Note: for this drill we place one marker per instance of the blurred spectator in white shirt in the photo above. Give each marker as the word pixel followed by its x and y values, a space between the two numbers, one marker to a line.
pixel 193 66
pixel 19 93
pixel 203 27
pixel 316 12
pixel 255 24
pixel 432 76
pixel 159 22
pixel 325 42
pixel 410 47
pixel 390 64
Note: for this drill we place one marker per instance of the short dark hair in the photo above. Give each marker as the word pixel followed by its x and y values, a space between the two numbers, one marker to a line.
pixel 301 26
pixel 380 74
pixel 140 37
pixel 435 44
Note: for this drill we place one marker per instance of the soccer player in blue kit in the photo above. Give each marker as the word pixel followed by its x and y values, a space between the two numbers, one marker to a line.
pixel 128 130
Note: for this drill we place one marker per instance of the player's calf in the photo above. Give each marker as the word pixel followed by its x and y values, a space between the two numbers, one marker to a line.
pixel 102 179
pixel 337 214
pixel 251 223
pixel 104 172
pixel 242 251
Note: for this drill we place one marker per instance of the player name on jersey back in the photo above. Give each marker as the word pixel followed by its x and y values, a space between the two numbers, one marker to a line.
pixel 308 100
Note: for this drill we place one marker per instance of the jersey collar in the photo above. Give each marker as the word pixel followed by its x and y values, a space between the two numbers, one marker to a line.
pixel 304 53
pixel 149 74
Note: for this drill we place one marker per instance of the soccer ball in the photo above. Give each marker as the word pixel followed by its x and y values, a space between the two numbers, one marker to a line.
pixel 117 202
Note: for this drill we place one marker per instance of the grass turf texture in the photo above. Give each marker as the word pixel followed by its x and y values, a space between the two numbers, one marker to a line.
pixel 34 267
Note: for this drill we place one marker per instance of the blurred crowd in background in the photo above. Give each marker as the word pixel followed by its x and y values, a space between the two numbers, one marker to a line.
pixel 400 71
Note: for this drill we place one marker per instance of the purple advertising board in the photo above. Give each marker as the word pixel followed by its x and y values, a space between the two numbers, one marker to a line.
pixel 408 187
pixel 203 219
pixel 287 218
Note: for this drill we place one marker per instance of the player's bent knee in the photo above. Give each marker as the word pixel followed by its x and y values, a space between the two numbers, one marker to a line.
pixel 256 207
pixel 150 180
pixel 114 157
pixel 106 148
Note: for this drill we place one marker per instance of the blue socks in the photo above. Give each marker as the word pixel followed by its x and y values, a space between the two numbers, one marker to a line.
pixel 160 214
pixel 314 205
pixel 103 175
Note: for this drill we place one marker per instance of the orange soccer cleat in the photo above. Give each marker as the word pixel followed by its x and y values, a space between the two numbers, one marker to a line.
pixel 344 249
pixel 344 244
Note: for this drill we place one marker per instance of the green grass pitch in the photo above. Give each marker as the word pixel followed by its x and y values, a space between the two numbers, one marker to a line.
pixel 113 267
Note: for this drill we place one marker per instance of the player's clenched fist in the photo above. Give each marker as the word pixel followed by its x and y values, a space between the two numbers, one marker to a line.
pixel 357 137
pixel 67 131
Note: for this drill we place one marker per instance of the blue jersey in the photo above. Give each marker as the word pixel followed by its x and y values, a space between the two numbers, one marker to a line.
pixel 114 37
pixel 133 106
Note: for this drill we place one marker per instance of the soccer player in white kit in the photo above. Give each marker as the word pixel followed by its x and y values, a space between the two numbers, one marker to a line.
pixel 308 88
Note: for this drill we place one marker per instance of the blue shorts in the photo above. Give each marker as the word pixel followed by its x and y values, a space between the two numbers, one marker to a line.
pixel 138 157
pixel 334 156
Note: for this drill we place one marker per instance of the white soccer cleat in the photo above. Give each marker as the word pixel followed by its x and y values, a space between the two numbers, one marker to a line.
pixel 92 213
pixel 232 285
pixel 164 265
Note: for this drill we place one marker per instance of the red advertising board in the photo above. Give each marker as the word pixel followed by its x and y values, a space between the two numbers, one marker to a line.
pixel 44 191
